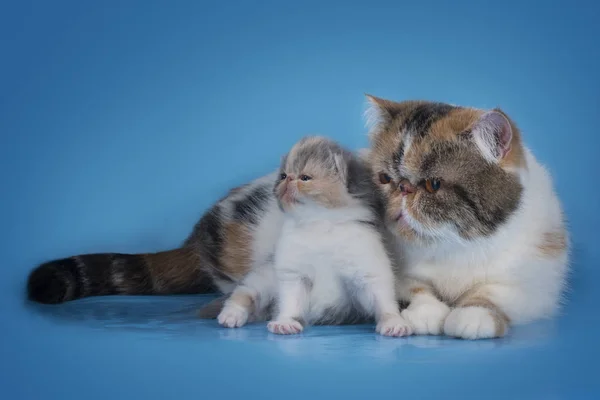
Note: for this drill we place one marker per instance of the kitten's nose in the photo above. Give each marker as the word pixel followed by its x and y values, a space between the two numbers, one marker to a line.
pixel 290 178
pixel 406 187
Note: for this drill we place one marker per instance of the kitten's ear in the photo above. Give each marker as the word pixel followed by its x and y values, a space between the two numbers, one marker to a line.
pixel 493 135
pixel 379 112
pixel 341 166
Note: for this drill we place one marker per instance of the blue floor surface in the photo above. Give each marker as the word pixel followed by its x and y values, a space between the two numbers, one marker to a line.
pixel 122 121
pixel 155 348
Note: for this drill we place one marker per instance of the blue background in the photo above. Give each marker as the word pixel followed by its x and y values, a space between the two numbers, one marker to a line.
pixel 122 121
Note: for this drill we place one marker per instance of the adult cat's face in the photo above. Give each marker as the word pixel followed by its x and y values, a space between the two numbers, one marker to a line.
pixel 446 172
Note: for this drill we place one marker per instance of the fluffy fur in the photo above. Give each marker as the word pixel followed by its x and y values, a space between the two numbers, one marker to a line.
pixel 488 249
pixel 330 262
pixel 478 224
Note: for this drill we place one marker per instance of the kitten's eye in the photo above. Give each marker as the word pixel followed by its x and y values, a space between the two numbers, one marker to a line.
pixel 432 185
pixel 305 178
pixel 384 178
pixel 283 176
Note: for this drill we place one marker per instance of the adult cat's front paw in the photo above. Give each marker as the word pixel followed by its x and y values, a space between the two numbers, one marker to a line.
pixel 474 323
pixel 427 317
pixel 233 316
pixel 285 326
pixel 394 325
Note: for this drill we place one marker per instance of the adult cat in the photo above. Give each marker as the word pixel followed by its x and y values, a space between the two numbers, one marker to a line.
pixel 479 227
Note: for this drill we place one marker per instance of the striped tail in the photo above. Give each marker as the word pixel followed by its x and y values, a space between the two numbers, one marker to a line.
pixel 169 272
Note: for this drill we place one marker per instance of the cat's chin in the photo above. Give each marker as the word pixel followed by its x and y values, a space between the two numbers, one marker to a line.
pixel 400 225
pixel 404 231
pixel 288 203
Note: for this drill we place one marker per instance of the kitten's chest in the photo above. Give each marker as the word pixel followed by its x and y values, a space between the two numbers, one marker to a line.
pixel 316 235
pixel 317 243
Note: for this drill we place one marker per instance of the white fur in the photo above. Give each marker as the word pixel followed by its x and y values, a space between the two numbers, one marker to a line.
pixel 324 261
pixel 327 260
pixel 426 314
pixel 508 267
pixel 470 323
pixel 233 315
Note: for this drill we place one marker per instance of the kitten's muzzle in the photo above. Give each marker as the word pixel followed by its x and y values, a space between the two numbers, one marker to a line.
pixel 289 178
pixel 406 187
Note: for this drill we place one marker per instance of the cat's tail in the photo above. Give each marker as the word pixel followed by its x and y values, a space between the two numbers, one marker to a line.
pixel 169 272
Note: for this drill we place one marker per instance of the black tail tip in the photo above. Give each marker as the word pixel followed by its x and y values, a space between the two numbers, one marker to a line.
pixel 48 284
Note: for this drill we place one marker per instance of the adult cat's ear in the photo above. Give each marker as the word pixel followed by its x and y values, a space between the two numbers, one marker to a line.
pixel 379 111
pixel 493 135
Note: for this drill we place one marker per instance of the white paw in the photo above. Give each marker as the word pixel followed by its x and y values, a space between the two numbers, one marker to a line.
pixel 233 316
pixel 285 326
pixel 427 318
pixel 472 323
pixel 394 325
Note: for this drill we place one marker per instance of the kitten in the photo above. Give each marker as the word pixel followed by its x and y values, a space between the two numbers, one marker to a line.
pixel 330 260
pixel 227 249
pixel 477 221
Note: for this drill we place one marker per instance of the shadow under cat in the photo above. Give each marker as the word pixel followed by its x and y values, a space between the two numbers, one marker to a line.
pixel 172 317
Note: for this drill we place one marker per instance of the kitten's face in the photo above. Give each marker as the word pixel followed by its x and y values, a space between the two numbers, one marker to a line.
pixel 312 174
pixel 446 172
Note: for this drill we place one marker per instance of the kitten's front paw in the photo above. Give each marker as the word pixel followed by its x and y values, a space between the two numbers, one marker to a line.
pixel 233 316
pixel 474 323
pixel 286 326
pixel 427 318
pixel 394 325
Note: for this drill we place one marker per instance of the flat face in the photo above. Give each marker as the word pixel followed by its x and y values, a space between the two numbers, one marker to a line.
pixel 435 179
pixel 308 174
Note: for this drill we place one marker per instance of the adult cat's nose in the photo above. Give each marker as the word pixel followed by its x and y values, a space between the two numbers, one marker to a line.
pixel 406 187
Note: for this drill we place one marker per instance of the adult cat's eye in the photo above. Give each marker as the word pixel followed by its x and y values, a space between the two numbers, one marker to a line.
pixel 305 178
pixel 283 176
pixel 432 185
pixel 384 178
